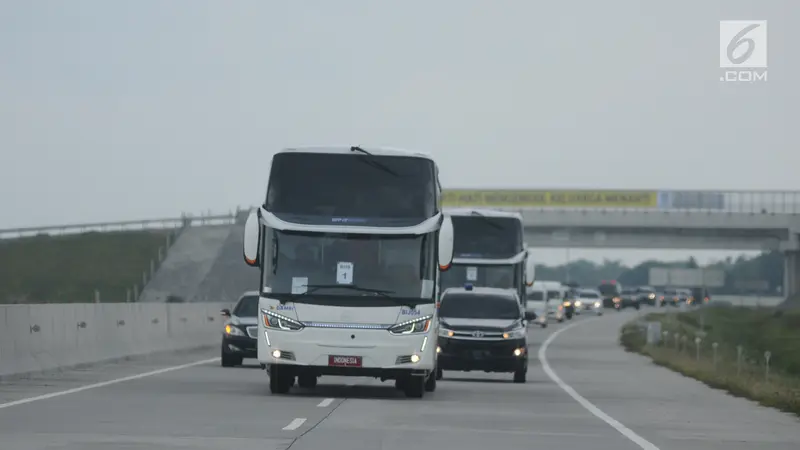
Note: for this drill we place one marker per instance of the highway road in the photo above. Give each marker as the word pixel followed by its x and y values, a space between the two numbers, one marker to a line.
pixel 583 392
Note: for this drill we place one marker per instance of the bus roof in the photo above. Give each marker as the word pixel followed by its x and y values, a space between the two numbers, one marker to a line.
pixel 482 211
pixel 346 149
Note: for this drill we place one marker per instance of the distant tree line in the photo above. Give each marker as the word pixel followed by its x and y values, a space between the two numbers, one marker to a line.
pixel 766 269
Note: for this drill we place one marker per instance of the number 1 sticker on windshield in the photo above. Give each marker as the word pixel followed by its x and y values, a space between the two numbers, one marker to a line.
pixel 344 272
pixel 472 274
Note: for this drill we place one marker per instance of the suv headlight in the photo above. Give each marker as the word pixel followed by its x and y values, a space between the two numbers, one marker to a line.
pixel 277 321
pixel 231 330
pixel 444 332
pixel 516 333
pixel 419 325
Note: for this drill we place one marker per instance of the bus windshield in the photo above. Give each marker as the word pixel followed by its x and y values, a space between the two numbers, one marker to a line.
pixel 486 237
pixel 399 265
pixel 495 276
pixel 351 188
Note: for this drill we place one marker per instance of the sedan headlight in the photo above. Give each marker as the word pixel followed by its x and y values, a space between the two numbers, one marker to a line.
pixel 231 330
pixel 567 304
pixel 277 321
pixel 596 304
pixel 419 325
pixel 578 303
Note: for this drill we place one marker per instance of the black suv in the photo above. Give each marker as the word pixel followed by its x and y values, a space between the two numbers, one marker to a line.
pixel 482 329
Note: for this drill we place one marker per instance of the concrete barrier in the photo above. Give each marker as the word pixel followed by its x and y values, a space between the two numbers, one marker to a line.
pixel 36 338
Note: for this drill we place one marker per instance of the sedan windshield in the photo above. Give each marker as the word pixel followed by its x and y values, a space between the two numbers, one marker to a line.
pixel 247 307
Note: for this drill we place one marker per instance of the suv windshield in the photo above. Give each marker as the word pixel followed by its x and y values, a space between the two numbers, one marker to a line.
pixel 486 237
pixel 496 276
pixel 536 296
pixel 477 306
pixel 589 294
pixel 247 307
pixel 397 264
pixel 354 188
pixel 554 295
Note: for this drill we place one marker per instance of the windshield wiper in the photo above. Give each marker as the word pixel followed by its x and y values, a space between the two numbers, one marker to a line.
pixel 315 287
pixel 383 293
pixel 487 220
pixel 372 162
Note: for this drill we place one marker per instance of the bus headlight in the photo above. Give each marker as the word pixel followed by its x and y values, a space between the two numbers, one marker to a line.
pixel 420 325
pixel 277 321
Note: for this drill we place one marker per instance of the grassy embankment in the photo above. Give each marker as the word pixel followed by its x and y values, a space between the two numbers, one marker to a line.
pixel 68 268
pixel 755 330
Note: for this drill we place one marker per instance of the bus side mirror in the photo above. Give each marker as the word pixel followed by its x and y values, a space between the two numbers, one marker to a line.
pixel 251 240
pixel 530 270
pixel 445 253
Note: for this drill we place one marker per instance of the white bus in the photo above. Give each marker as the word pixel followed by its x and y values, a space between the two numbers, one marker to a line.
pixel 350 242
pixel 489 251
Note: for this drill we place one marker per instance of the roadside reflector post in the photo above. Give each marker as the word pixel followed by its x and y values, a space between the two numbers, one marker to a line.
pixel 96 296
pixel 697 341
pixel 714 347
pixel 739 351
pixel 767 357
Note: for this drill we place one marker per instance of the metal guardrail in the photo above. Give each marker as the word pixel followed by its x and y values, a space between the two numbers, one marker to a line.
pixel 127 225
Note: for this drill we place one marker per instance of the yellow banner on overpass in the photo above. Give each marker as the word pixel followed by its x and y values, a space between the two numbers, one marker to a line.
pixel 550 199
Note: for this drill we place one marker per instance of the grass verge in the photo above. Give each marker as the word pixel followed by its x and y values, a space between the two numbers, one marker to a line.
pixel 756 331
pixel 68 268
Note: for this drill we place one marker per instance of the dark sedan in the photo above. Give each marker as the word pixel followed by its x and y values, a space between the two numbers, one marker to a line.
pixel 240 331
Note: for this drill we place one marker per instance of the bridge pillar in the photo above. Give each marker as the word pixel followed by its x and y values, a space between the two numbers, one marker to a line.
pixel 791 273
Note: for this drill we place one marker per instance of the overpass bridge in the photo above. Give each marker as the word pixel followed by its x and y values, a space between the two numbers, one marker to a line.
pixel 586 218
pixel 692 220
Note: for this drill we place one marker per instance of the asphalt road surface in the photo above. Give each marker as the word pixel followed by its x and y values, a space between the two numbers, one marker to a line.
pixel 583 392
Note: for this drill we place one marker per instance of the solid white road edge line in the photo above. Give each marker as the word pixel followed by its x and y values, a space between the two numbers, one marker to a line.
pixel 295 424
pixel 325 402
pixel 625 431
pixel 105 383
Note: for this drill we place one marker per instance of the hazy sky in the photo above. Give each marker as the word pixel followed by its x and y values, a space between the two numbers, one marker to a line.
pixel 113 110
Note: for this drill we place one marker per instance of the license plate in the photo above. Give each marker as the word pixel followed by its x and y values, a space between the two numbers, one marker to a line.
pixel 344 361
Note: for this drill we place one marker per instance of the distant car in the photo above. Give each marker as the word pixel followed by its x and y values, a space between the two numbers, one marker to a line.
pixel 671 297
pixel 685 296
pixel 589 300
pixel 629 298
pixel 611 292
pixel 701 295
pixel 647 295
pixel 482 329
pixel 240 330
